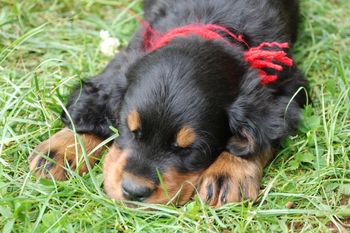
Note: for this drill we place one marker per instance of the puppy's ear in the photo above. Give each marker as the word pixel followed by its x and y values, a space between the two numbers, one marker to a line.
pixel 259 120
pixel 93 106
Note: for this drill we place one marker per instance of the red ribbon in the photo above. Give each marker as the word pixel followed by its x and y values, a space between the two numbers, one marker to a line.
pixel 257 57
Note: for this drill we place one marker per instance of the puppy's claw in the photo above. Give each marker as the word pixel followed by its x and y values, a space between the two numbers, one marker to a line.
pixel 230 179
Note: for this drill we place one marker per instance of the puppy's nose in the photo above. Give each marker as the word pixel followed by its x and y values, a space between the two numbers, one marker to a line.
pixel 135 192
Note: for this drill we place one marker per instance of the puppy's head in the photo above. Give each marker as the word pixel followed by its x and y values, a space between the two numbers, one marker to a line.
pixel 173 121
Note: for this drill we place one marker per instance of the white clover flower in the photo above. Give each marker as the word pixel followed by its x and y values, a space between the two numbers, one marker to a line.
pixel 109 45
pixel 104 34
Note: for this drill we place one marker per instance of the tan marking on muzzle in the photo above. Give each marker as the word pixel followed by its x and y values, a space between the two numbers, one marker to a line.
pixel 179 188
pixel 115 161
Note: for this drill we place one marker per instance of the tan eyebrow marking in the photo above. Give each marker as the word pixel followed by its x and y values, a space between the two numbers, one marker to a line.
pixel 185 137
pixel 134 121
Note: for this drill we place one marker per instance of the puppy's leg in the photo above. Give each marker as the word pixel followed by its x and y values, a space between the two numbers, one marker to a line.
pixel 91 109
pixel 232 179
pixel 51 158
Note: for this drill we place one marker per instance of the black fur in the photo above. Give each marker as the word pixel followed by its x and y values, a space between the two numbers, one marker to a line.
pixel 190 81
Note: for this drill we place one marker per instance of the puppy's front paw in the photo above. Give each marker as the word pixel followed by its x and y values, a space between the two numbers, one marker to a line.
pixel 231 179
pixel 49 158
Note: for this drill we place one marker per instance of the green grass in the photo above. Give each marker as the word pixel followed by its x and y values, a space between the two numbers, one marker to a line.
pixel 47 46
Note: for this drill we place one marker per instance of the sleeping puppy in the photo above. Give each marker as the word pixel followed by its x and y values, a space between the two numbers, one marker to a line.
pixel 202 97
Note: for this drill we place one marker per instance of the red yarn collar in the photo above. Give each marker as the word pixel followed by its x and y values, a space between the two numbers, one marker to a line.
pixel 257 57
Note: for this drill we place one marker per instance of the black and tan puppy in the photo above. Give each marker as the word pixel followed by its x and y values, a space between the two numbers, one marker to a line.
pixel 202 97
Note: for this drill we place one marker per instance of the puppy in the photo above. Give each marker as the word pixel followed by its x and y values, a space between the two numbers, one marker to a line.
pixel 202 97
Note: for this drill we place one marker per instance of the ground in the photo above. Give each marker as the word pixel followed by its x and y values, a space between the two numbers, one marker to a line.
pixel 46 47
